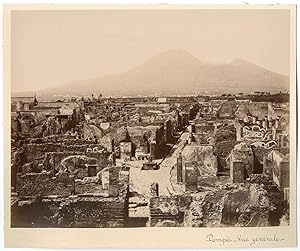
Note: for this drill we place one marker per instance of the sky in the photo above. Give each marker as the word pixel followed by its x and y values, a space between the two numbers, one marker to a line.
pixel 51 48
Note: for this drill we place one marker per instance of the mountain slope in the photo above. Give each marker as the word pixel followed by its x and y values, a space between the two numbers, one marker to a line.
pixel 178 72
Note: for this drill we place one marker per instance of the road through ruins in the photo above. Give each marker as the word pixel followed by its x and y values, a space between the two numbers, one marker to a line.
pixel 141 180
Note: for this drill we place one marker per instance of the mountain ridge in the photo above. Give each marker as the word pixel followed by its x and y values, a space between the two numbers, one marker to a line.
pixel 177 71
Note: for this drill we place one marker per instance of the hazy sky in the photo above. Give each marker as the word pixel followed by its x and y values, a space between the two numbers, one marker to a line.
pixel 50 48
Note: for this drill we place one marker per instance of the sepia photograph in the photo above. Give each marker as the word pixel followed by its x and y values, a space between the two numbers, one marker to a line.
pixel 152 118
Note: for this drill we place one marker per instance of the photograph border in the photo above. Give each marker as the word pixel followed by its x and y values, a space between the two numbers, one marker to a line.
pixel 146 237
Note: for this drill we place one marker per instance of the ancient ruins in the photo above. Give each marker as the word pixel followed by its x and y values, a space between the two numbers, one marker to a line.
pixel 183 161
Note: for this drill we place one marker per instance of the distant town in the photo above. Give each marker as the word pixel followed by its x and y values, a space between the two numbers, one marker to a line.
pixel 174 161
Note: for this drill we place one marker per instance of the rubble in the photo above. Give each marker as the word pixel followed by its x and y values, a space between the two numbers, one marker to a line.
pixel 145 161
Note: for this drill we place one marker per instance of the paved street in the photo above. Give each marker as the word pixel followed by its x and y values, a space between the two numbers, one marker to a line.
pixel 141 180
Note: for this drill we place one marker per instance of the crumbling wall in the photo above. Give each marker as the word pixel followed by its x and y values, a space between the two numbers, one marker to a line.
pixel 227 110
pixel 44 184
pixel 234 202
pixel 76 165
pixel 34 213
pixel 75 162
pixel 125 150
pixel 117 184
pixel 237 172
pixel 72 211
pixel 256 203
pixel 206 209
pixel 225 140
pixel 89 186
pixel 31 167
pixel 191 176
pixel 202 157
pixel 37 151
pixel 61 138
pixel 95 212
pixel 106 142
pixel 249 206
pixel 272 197
pixel 242 153
pixel 168 211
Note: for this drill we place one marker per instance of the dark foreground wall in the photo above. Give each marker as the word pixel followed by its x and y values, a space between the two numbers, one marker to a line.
pixel 168 211
pixel 72 212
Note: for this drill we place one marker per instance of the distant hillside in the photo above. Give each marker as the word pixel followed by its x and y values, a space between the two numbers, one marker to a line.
pixel 179 72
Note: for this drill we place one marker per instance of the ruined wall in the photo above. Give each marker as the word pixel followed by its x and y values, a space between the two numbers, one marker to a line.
pixel 125 150
pixel 37 151
pixel 191 176
pixel 222 150
pixel 117 183
pixel 88 188
pixel 43 184
pixel 281 174
pixel 250 207
pixel 64 202
pixel 277 166
pixel 52 160
pixel 95 212
pixel 206 209
pixel 72 212
pixel 168 211
pixel 285 175
pixel 202 157
pixel 242 153
pixel 106 142
pixel 75 162
pixel 237 172
pixel 62 138
pixel 233 205
pixel 251 204
pixel 168 131
pixel 148 139
pixel 227 110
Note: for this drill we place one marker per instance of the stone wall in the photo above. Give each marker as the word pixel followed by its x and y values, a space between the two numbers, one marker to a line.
pixel 251 207
pixel 95 213
pixel 75 161
pixel 206 209
pixel 91 187
pixel 71 212
pixel 106 142
pixel 237 172
pixel 66 183
pixel 168 211
pixel 202 157
pixel 117 183
pixel 44 184
pixel 233 203
pixel 191 176
pixel 242 153
pixel 61 138
pixel 126 150
pixel 37 151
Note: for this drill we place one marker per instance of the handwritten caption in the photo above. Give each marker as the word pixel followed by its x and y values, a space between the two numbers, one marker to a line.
pixel 243 239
